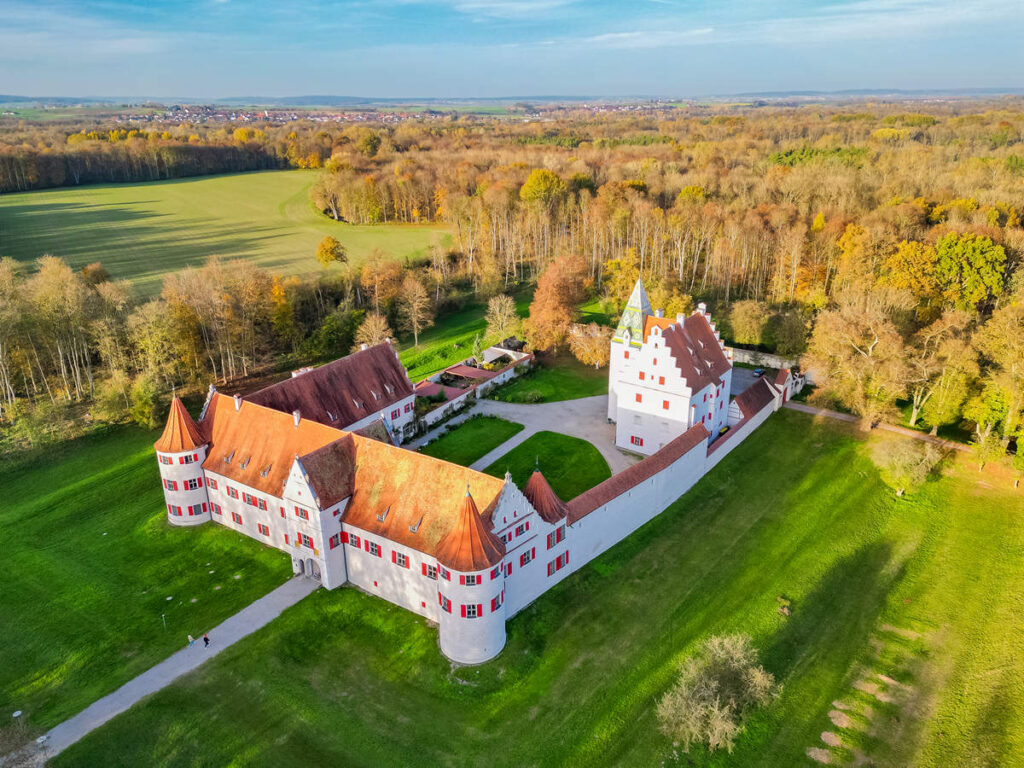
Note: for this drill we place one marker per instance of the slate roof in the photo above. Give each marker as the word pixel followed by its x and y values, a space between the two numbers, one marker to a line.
pixel 180 433
pixel 341 393
pixel 618 484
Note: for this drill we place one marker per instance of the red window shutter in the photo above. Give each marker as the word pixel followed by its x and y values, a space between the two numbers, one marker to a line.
pixel 664 404
pixel 462 579
pixel 533 553
pixel 627 354
pixel 641 375
pixel 440 599
pixel 181 459
pixel 195 457
pixel 204 506
pixel 639 397
pixel 527 525
pixel 394 556
pixel 480 609
pixel 463 610
pixel 199 483
pixel 661 379
pixel 367 543
pixel 344 537
pixel 286 538
pixel 407 562
pixel 550 568
pixel 567 557
pixel 424 568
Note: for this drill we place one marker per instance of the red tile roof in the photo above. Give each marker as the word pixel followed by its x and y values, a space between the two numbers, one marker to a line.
pixel 341 393
pixel 755 397
pixel 698 354
pixel 181 433
pixel 469 372
pixel 652 321
pixel 781 376
pixel 469 546
pixel 618 484
pixel 537 491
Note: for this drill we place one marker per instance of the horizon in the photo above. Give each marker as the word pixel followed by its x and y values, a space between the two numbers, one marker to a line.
pixel 478 49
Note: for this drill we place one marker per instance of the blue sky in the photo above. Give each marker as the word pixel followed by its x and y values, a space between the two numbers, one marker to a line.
pixel 464 48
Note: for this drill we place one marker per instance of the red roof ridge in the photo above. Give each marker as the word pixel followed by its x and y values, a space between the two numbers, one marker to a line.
pixel 181 433
pixel 543 498
pixel 469 546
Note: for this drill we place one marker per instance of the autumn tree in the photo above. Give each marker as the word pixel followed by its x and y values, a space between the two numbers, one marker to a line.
pixel 748 320
pixel 330 251
pixel 987 410
pixel 381 278
pixel 414 306
pixel 590 344
pixel 502 319
pixel 373 330
pixel 912 267
pixel 559 290
pixel 934 351
pixel 542 186
pixel 970 269
pixel 905 463
pixel 859 355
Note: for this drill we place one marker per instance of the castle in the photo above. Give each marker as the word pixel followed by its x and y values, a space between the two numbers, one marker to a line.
pixel 311 466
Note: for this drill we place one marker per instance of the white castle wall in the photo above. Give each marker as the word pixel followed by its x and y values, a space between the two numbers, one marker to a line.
pixel 471 640
pixel 180 473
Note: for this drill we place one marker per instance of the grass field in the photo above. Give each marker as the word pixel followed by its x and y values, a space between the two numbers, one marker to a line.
pixel 472 439
pixel 556 377
pixel 927 590
pixel 88 564
pixel 570 465
pixel 142 231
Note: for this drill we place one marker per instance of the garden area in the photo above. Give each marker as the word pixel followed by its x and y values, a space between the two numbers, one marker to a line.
pixel 901 642
pixel 98 587
pixel 571 465
pixel 555 377
pixel 472 439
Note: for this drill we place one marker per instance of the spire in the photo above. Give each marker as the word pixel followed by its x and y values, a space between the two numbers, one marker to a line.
pixel 469 546
pixel 632 321
pixel 551 508
pixel 181 433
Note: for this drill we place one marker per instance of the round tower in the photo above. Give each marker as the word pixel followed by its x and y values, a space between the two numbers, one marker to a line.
pixel 180 453
pixel 471 589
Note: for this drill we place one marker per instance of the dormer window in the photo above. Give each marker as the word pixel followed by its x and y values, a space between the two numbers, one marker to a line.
pixel 388 388
pixel 266 470
pixel 229 457
pixel 331 416
pixel 416 526
pixel 358 403
pixel 376 396
pixel 245 462
pixel 382 516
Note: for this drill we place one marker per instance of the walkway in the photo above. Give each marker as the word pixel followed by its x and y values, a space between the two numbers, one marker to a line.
pixel 886 427
pixel 245 622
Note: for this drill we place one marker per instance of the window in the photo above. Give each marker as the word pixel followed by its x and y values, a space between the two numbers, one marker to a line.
pixel 335 540
pixel 472 611
pixel 655 361
pixel 262 504
pixel 196 509
pixel 494 572
pixel 252 501
pixel 508 569
pixel 705 397
pixel 636 440
pixel 641 375
pixel 399 559
pixel 306 540
pixel 300 512
pixel 396 414
pixel 527 556
pixel 556 536
pixel 236 517
pixel 470 581
pixel 446 604
pixel 173 510
pixel 373 548
pixel 639 397
pixel 282 511
pixel 263 529
pixel 408 407
pixel 232 492
pixel 217 509
pixel 430 571
pixel 211 483
pixel 171 485
pixel 661 379
pixel 558 563
pixel 165 459
pixel 445 574
pixel 497 600
pixel 193 484
pixel 188 459
pixel 664 404
pixel 353 540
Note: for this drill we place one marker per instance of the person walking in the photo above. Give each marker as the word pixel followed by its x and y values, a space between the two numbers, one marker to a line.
pixel 191 641
pixel 206 640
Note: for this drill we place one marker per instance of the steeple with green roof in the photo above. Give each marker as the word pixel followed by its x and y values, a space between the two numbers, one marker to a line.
pixel 631 324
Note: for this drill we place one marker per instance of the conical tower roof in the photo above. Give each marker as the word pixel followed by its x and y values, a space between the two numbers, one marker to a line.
pixel 181 433
pixel 631 324
pixel 469 546
pixel 537 491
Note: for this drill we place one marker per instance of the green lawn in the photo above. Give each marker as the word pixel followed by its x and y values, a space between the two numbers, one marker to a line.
pixel 88 564
pixel 472 439
pixel 142 231
pixel 556 377
pixel 927 590
pixel 570 465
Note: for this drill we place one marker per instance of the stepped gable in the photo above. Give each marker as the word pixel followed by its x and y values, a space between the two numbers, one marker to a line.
pixel 341 393
pixel 755 397
pixel 469 546
pixel 539 493
pixel 697 352
pixel 181 433
pixel 255 446
pixel 411 498
pixel 617 485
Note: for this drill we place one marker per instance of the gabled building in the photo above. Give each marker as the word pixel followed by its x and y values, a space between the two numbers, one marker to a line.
pixel 665 376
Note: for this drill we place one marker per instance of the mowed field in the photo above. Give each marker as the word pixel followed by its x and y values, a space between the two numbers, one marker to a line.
pixel 142 231
pixel 905 643
pixel 96 586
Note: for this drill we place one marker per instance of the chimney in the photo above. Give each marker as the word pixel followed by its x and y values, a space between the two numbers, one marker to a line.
pixel 238 402
pixel 702 308
pixel 301 371
pixel 297 417
pixel 362 347
pixel 659 313
pixel 680 318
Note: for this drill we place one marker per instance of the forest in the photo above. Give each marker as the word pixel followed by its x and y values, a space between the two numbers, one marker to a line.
pixel 881 242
